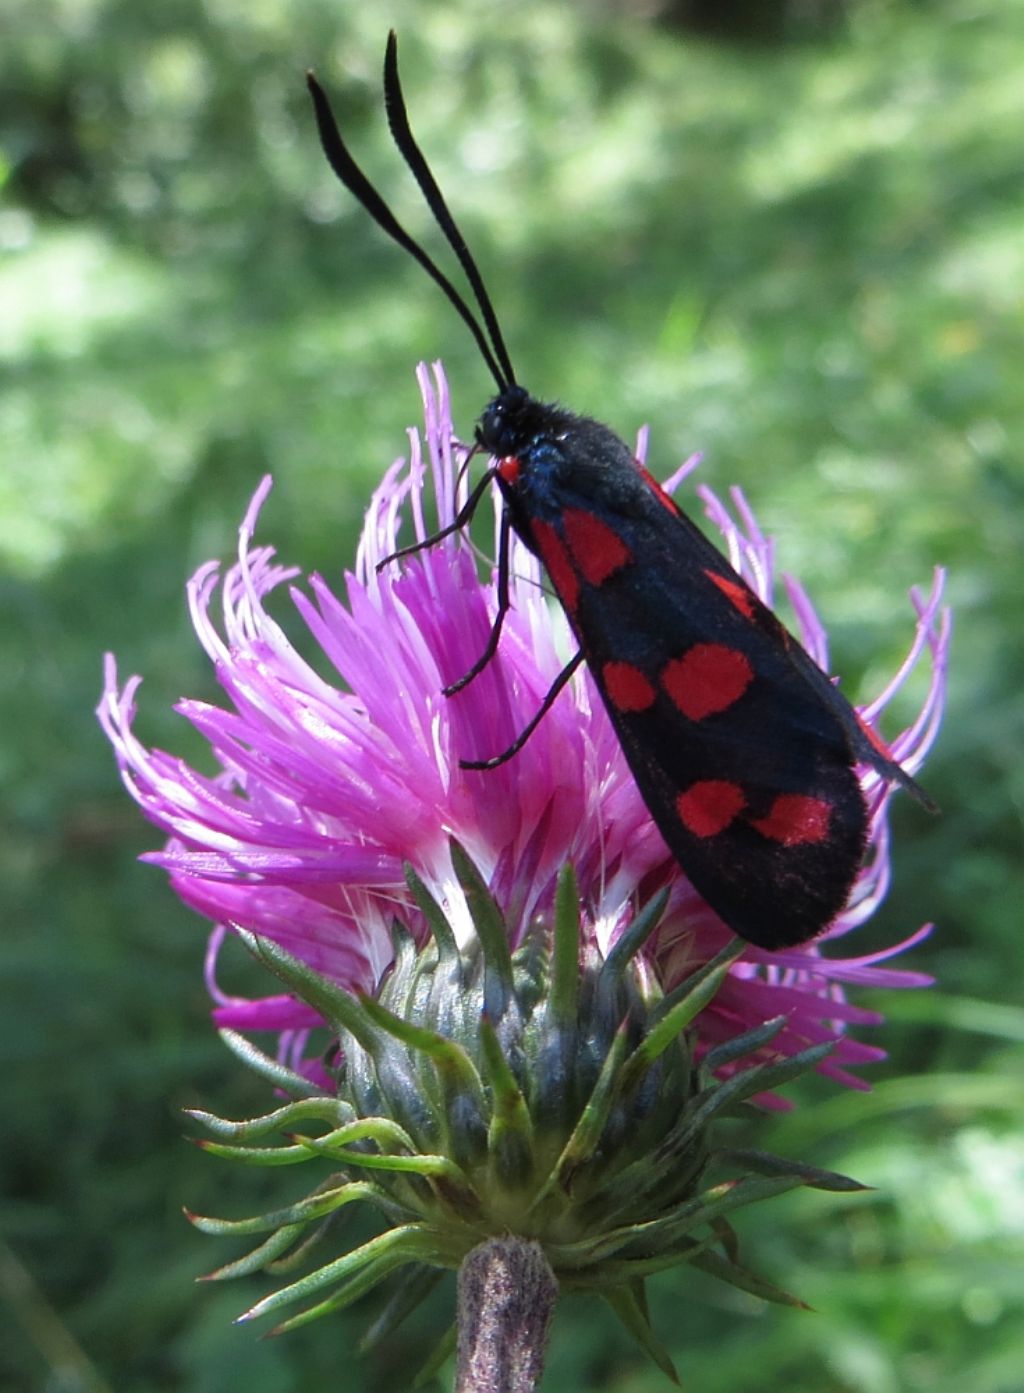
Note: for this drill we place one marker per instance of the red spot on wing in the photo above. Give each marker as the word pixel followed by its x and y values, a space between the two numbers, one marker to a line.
pixel 627 687
pixel 734 591
pixel 665 499
pixel 708 678
pixel 597 549
pixel 508 468
pixel 708 807
pixel 557 563
pixel 795 820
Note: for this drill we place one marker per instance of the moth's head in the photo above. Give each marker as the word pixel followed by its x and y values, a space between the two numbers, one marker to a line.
pixel 508 422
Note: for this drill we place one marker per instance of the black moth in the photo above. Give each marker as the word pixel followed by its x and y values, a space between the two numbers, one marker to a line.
pixel 741 746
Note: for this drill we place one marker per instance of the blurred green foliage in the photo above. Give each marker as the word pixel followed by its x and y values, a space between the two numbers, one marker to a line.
pixel 804 258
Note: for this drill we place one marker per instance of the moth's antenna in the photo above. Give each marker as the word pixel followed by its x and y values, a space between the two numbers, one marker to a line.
pixel 359 186
pixel 398 121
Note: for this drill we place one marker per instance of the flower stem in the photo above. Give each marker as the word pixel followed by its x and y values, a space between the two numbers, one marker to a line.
pixel 507 1296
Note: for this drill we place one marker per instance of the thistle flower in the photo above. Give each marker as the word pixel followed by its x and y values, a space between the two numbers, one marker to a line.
pixel 341 808
pixel 329 786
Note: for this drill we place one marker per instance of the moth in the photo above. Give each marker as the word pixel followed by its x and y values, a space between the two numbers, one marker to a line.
pixel 742 748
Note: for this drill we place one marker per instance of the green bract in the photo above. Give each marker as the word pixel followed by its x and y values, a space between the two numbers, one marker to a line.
pixel 545 1093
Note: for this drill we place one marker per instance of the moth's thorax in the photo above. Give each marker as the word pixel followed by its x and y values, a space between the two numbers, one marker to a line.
pixel 548 454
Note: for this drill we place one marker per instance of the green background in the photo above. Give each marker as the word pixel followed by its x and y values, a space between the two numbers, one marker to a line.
pixel 797 245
